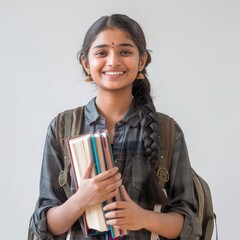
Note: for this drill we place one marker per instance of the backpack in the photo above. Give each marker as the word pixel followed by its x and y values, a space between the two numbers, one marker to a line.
pixel 205 214
pixel 69 123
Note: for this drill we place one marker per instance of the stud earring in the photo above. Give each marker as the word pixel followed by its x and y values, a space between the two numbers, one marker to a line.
pixel 140 76
pixel 88 78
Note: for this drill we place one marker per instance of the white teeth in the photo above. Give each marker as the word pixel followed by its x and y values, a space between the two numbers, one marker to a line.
pixel 113 73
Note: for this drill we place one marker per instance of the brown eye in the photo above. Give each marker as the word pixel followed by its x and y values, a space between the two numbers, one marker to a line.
pixel 101 54
pixel 126 52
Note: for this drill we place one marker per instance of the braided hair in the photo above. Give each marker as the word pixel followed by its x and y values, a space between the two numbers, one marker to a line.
pixel 151 134
pixel 141 92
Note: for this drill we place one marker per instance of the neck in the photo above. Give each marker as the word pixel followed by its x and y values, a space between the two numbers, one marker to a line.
pixel 112 106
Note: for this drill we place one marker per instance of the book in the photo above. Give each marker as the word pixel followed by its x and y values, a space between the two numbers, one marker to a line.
pixel 82 150
pixel 109 161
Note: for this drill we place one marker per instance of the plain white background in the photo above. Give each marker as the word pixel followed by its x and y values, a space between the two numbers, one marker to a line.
pixel 194 73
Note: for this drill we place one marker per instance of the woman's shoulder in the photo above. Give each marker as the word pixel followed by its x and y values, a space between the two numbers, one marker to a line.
pixel 60 118
pixel 170 120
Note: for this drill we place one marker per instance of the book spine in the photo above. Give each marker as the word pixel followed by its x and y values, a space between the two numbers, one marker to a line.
pixel 72 163
pixel 95 154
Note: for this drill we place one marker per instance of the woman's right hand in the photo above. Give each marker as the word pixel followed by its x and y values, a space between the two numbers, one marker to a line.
pixel 100 188
pixel 91 192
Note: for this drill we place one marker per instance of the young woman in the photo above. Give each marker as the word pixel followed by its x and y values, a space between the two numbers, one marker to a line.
pixel 114 57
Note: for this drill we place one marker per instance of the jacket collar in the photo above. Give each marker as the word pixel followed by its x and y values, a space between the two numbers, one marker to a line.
pixel 131 117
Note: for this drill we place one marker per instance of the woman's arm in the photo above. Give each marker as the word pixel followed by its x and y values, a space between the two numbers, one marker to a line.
pixel 91 192
pixel 168 225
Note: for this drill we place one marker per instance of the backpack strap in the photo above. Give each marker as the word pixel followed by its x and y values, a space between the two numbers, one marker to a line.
pixel 69 124
pixel 167 135
pixel 63 175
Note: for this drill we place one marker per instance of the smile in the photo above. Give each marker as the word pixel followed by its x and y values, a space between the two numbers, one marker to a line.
pixel 113 73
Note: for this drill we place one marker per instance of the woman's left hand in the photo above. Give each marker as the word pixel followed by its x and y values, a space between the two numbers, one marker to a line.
pixel 125 214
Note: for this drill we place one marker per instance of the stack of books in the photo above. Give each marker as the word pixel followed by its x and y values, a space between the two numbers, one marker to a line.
pixel 82 150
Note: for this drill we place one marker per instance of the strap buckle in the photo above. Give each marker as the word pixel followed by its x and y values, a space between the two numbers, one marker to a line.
pixel 62 178
pixel 163 175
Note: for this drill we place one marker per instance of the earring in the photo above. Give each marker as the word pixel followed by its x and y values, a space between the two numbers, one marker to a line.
pixel 88 78
pixel 140 76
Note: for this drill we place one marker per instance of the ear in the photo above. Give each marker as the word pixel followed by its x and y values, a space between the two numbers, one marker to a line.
pixel 85 64
pixel 142 61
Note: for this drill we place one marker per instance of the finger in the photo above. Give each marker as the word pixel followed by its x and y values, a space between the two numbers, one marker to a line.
pixel 107 174
pixel 109 206
pixel 125 194
pixel 112 184
pixel 118 223
pixel 114 206
pixel 88 171
pixel 114 214
pixel 112 194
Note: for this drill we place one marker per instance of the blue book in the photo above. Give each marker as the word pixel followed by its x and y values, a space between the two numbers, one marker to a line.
pixel 95 154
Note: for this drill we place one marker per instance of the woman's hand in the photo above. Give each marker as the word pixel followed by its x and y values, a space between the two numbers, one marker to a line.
pixel 100 188
pixel 126 214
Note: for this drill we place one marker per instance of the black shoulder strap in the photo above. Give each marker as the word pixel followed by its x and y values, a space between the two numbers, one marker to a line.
pixel 167 135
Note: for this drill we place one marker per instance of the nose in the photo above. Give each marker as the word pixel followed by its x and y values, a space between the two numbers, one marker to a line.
pixel 113 60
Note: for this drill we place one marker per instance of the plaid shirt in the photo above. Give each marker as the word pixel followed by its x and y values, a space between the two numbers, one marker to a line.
pixel 130 157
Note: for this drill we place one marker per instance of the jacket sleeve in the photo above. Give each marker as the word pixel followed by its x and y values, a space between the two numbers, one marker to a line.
pixel 180 188
pixel 51 194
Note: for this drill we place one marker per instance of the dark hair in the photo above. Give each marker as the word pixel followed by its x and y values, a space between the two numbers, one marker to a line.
pixel 141 92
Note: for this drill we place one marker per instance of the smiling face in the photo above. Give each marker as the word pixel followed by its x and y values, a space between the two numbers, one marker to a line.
pixel 113 60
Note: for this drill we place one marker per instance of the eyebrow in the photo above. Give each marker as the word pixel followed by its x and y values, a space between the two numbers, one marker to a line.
pixel 117 45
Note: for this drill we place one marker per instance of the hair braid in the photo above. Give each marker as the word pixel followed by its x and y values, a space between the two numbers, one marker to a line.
pixel 151 133
pixel 141 94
